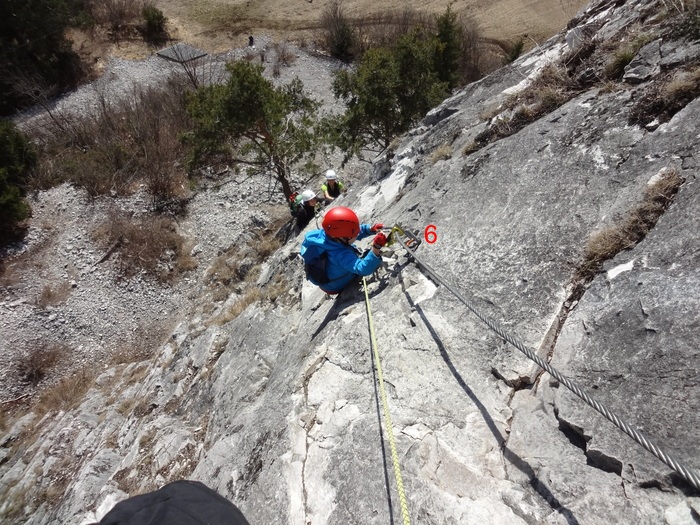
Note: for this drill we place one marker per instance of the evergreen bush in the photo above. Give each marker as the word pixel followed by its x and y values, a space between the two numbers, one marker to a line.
pixel 154 24
pixel 17 158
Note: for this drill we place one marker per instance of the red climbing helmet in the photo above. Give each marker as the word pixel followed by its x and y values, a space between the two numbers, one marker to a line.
pixel 341 222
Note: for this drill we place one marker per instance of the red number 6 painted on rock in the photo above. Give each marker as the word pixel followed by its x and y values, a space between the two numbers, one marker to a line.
pixel 430 234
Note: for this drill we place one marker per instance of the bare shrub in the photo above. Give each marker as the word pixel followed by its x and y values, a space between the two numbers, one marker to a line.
pixel 548 91
pixel 627 49
pixel 442 152
pixel 284 54
pixel 337 33
pixel 116 14
pixel 238 269
pixel 267 244
pixel 253 294
pixel 551 88
pixel 250 296
pixel 471 147
pixel 143 344
pixel 154 120
pixel 552 97
pixel 81 149
pixel 607 243
pixel 385 29
pixel 283 57
pixel 251 55
pixel 239 266
pixel 122 143
pixel 137 374
pixel 126 407
pixel 682 88
pixel 32 87
pixel 150 244
pixel 609 86
pixel 664 100
pixel 45 176
pixel 222 276
pixel 40 361
pixel 688 16
pixel 67 393
pixel 677 5
pixel 501 126
pixel 615 67
pixel 686 12
pixel 472 65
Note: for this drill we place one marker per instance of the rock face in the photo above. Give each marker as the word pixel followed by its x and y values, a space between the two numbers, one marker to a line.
pixel 278 409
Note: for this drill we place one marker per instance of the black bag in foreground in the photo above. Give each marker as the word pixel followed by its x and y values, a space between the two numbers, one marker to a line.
pixel 315 265
pixel 179 503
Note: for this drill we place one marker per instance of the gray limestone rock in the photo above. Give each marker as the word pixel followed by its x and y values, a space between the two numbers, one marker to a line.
pixel 646 65
pixel 279 409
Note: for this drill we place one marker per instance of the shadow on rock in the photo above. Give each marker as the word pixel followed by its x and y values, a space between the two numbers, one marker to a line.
pixel 510 456
pixel 352 294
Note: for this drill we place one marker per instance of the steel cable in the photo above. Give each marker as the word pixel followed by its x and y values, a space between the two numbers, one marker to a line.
pixel 691 476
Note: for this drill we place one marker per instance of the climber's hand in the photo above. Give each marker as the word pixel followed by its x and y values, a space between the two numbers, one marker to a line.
pixel 379 240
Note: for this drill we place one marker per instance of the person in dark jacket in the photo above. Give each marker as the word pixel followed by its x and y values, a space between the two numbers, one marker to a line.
pixel 306 210
pixel 341 228
pixel 179 503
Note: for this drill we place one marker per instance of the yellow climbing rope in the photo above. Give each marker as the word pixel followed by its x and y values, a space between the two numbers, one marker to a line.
pixel 387 415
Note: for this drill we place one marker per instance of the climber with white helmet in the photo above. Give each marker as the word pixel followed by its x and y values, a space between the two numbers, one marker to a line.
pixel 332 187
pixel 304 208
pixel 331 259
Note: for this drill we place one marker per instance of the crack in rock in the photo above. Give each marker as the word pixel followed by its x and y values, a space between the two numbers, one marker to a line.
pixel 594 458
pixel 657 198
pixel 522 382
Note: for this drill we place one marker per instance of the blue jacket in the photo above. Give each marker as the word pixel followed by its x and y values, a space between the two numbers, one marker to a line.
pixel 343 263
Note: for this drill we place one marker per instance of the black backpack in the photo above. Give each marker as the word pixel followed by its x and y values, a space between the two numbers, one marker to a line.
pixel 315 265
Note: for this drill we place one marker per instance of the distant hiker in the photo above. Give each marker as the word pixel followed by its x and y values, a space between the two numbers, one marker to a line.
pixel 179 503
pixel 304 209
pixel 331 259
pixel 333 187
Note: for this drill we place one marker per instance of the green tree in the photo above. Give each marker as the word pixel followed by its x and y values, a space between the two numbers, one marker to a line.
pixel 420 88
pixel 17 158
pixel 34 54
pixel 449 52
pixel 373 114
pixel 390 90
pixel 273 129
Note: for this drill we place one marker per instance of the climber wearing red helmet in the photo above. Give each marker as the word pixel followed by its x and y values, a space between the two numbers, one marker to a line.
pixel 332 260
